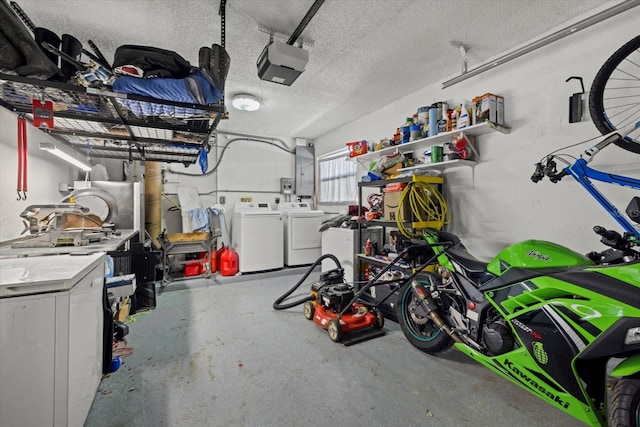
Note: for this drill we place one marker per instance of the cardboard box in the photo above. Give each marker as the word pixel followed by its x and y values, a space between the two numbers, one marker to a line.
pixel 391 203
pixel 188 237
pixel 489 107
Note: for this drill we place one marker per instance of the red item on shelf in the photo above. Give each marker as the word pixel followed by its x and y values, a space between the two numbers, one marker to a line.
pixel 192 269
pixel 357 148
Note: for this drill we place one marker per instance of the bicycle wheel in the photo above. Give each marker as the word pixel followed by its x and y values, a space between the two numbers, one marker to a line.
pixel 614 100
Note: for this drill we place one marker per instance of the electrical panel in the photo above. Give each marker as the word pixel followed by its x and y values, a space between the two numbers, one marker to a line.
pixel 305 171
pixel 286 185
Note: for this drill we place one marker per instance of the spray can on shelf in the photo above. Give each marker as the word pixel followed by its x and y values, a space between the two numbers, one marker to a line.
pixel 367 247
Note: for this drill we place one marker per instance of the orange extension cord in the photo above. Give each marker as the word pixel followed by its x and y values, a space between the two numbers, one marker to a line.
pixel 123 351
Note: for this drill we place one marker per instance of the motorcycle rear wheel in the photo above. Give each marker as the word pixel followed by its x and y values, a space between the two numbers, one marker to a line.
pixel 625 403
pixel 419 329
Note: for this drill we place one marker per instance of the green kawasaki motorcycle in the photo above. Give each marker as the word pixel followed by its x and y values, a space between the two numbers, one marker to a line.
pixel 540 315
pixel 564 326
pixel 557 323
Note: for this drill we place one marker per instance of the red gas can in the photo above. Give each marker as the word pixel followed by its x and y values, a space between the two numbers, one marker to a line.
pixel 229 262
pixel 214 261
pixel 219 255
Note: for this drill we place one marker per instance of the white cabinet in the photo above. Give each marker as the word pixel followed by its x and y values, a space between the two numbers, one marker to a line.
pixel 341 243
pixel 51 335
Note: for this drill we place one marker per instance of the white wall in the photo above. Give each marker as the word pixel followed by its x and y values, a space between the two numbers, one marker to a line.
pixel 500 205
pixel 44 172
pixel 247 169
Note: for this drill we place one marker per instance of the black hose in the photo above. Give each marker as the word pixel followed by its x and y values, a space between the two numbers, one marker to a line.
pixel 278 303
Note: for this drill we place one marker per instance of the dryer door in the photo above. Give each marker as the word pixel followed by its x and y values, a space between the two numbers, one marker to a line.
pixel 304 232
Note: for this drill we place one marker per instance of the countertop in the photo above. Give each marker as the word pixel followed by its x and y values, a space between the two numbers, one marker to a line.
pixel 109 243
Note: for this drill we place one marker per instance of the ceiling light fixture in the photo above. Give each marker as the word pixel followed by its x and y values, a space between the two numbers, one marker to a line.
pixel 51 148
pixel 245 102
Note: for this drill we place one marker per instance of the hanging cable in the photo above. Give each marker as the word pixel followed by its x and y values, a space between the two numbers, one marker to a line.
pixel 224 148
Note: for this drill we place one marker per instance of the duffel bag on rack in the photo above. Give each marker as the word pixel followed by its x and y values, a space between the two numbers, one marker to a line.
pixel 153 61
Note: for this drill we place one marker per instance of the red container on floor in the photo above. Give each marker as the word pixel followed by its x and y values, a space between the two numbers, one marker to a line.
pixel 192 269
pixel 229 262
pixel 214 261
pixel 219 255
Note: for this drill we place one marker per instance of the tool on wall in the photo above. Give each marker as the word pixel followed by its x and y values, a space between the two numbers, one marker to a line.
pixel 575 103
pixel 22 158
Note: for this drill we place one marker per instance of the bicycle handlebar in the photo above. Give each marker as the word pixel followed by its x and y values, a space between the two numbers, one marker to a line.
pixel 548 166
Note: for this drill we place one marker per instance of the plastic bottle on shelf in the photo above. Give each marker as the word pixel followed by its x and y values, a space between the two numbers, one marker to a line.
pixel 448 120
pixel 433 121
pixel 464 119
pixel 367 247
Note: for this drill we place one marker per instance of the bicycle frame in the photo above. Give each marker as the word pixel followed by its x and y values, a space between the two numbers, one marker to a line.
pixel 582 173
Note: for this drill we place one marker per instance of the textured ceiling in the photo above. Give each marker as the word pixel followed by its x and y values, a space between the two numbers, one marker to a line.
pixel 365 53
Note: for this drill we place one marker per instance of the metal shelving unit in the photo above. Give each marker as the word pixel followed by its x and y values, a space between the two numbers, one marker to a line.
pixel 102 124
pixel 182 244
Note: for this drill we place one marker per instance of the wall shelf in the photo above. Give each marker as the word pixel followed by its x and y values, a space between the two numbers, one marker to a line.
pixel 441 166
pixel 419 144
pixel 102 124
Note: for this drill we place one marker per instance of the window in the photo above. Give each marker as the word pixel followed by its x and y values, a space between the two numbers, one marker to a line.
pixel 337 177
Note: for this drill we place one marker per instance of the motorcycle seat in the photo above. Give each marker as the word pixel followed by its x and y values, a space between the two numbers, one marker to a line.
pixel 468 261
pixel 459 253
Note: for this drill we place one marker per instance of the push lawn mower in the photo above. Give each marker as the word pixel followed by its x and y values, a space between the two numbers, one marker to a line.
pixel 334 307
pixel 334 304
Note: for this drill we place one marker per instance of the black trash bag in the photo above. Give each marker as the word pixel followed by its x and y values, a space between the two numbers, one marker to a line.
pixel 19 51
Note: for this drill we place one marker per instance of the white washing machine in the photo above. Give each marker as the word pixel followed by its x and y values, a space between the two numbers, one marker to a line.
pixel 256 235
pixel 302 237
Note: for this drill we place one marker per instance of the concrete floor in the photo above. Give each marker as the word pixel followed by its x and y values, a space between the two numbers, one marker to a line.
pixel 215 353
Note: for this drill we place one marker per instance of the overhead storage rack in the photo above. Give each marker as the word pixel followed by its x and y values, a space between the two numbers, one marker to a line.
pixel 103 124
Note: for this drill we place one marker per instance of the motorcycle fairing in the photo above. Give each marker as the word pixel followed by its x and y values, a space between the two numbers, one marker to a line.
pixel 567 311
pixel 603 284
pixel 536 254
pixel 552 344
pixel 515 366
pixel 611 342
pixel 627 273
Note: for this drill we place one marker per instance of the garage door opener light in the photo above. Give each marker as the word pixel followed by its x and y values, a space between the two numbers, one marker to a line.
pixel 245 102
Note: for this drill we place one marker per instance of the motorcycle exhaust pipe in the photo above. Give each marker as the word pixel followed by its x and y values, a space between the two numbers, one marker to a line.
pixel 431 309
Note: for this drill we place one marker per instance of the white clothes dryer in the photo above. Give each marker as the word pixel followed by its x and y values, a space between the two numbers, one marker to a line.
pixel 256 235
pixel 302 237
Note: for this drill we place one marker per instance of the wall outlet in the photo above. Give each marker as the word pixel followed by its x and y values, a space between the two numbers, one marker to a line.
pixel 222 199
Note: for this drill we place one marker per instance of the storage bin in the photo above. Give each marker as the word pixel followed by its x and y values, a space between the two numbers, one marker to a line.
pixel 192 269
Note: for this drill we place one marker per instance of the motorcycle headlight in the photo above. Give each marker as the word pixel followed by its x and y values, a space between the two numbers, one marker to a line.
pixel 633 336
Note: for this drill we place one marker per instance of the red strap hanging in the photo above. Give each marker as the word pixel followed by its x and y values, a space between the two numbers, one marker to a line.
pixel 22 158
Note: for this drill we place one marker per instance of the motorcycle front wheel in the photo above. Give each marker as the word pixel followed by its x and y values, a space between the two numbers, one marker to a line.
pixel 417 326
pixel 625 403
